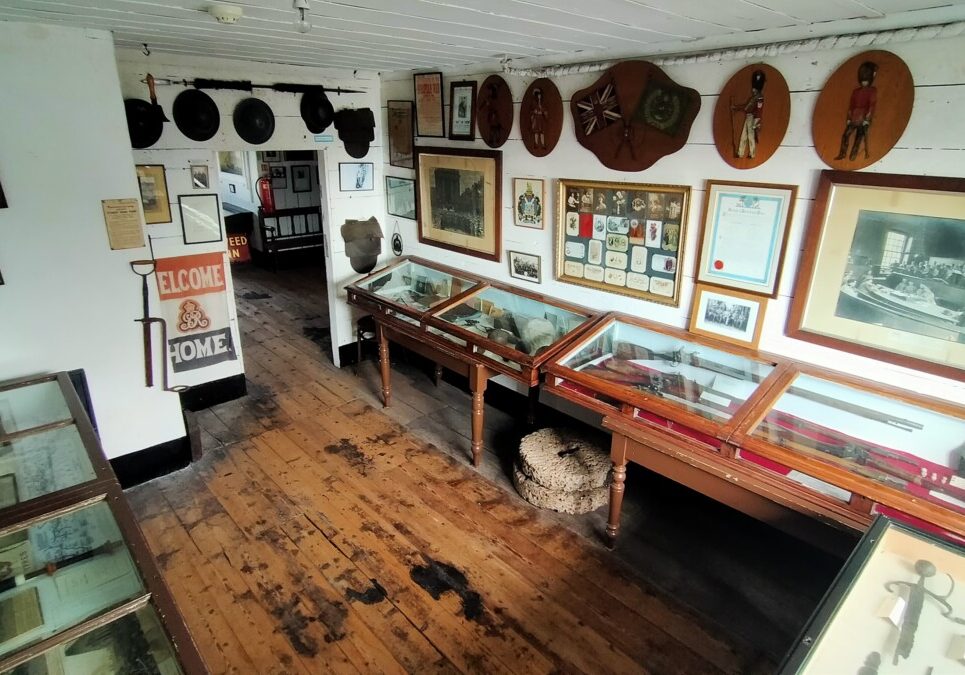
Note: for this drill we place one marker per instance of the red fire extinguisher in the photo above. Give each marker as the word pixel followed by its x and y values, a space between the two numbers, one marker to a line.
pixel 265 194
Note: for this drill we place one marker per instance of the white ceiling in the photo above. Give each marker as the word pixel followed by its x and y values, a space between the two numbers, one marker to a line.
pixel 391 35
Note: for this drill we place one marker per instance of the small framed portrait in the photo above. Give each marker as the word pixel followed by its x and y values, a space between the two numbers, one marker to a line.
pixel 199 177
pixel 524 266
pixel 279 178
pixel 302 178
pixel 731 316
pixel 154 193
pixel 529 198
pixel 462 111
pixel 356 176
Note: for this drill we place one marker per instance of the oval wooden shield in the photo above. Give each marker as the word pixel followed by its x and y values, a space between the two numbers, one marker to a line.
pixel 541 117
pixel 855 125
pixel 494 111
pixel 633 115
pixel 751 116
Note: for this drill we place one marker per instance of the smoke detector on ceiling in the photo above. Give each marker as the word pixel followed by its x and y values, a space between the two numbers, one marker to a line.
pixel 227 14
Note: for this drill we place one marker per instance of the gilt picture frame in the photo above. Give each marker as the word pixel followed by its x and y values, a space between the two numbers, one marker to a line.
pixel 153 183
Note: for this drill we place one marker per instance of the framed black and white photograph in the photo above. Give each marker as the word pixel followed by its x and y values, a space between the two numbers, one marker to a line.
pixel 524 266
pixel 731 316
pixel 279 178
pixel 271 156
pixel 400 197
pixel 302 178
pixel 356 176
pixel 200 179
pixel 462 110
pixel 200 218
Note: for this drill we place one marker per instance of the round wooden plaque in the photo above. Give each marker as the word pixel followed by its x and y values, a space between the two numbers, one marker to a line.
pixel 541 117
pixel 494 111
pixel 857 124
pixel 751 116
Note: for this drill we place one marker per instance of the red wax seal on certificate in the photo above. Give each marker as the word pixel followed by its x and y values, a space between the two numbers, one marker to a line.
pixel 718 264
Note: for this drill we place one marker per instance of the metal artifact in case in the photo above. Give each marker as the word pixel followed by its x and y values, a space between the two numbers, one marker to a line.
pixel 897 606
pixel 79 590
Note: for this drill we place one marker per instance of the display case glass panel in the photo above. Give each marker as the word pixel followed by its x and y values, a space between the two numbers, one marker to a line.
pixel 526 325
pixel 893 442
pixel 61 571
pixel 32 406
pixel 702 380
pixel 133 643
pixel 41 463
pixel 417 286
pixel 896 607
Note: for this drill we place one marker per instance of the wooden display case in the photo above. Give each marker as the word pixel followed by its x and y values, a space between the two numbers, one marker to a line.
pixel 471 325
pixel 787 443
pixel 79 589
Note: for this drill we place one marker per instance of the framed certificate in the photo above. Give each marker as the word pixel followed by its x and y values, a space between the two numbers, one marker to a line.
pixel 744 235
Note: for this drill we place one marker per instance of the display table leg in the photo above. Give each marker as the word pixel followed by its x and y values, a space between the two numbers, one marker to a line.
pixel 478 379
pixel 533 405
pixel 437 374
pixel 618 454
pixel 384 366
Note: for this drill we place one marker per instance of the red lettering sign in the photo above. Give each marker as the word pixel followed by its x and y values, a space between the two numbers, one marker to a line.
pixel 189 275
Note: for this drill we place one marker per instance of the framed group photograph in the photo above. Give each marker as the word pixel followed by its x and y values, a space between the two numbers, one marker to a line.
pixel 524 266
pixel 428 105
pixel 744 235
pixel 279 178
pixel 459 199
pixel 302 178
pixel 153 184
pixel 200 218
pixel 883 270
pixel 400 197
pixel 199 177
pixel 462 110
pixel 624 238
pixel 356 176
pixel 529 200
pixel 401 133
pixel 731 316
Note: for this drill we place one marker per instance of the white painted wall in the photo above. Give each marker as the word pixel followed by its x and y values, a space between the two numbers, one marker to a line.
pixel 933 144
pixel 290 134
pixel 69 300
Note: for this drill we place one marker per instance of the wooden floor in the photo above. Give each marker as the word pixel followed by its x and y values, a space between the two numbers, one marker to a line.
pixel 318 534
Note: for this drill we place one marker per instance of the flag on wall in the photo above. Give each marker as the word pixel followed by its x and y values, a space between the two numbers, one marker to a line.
pixel 195 307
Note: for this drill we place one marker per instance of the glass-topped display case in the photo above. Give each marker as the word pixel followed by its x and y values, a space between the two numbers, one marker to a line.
pixel 897 606
pixel 79 590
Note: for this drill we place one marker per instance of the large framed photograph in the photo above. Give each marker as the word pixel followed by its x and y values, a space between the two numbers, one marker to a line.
pixel 744 235
pixel 524 266
pixel 731 316
pixel 400 197
pixel 428 105
pixel 529 199
pixel 356 176
pixel 462 111
pixel 200 218
pixel 232 161
pixel 153 184
pixel 622 237
pixel 883 270
pixel 401 132
pixel 459 200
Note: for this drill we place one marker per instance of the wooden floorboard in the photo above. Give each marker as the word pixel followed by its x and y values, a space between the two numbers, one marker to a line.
pixel 321 533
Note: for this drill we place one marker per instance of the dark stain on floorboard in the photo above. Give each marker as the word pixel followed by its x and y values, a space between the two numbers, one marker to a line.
pixel 351 453
pixel 438 578
pixel 370 596
pixel 255 295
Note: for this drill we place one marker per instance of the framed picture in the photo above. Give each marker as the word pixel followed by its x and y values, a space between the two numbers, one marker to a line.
pixel 731 316
pixel 153 184
pixel 622 237
pixel 200 218
pixel 271 156
pixel 459 199
pixel 401 134
pixel 524 266
pixel 356 176
pixel 744 235
pixel 400 197
pixel 302 178
pixel 232 161
pixel 199 177
pixel 428 104
pixel 279 178
pixel 883 270
pixel 462 111
pixel 529 200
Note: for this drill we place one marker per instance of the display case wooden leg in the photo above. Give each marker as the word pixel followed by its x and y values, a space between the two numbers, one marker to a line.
pixel 437 374
pixel 478 378
pixel 617 488
pixel 533 405
pixel 384 367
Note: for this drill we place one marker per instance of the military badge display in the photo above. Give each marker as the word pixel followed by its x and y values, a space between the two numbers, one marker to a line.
pixel 530 201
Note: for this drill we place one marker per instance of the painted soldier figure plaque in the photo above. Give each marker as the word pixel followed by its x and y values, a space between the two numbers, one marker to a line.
pixel 751 116
pixel 541 117
pixel 494 111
